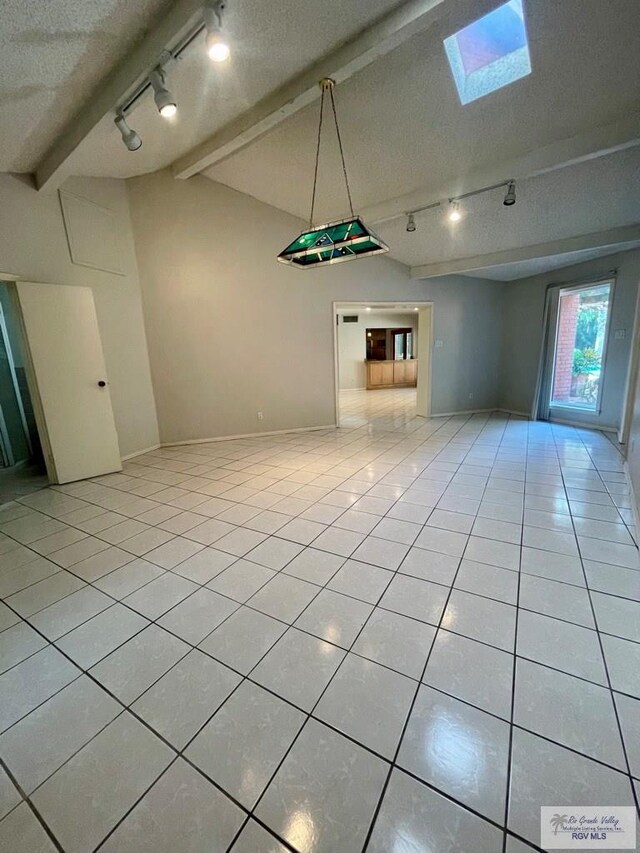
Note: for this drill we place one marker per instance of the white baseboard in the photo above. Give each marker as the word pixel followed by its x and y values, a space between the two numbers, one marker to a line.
pixel 245 435
pixel 141 452
pixel 346 390
pixel 581 425
pixel 462 412
pixel 516 413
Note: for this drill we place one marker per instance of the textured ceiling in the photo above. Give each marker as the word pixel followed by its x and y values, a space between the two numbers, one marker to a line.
pixel 403 125
pixel 593 196
pixel 536 266
pixel 271 43
pixel 52 54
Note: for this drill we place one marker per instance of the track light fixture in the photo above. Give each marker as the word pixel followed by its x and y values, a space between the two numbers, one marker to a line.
pixel 510 196
pixel 165 101
pixel 454 212
pixel 129 137
pixel 216 41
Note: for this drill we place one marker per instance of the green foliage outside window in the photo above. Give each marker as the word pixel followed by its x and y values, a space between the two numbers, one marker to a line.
pixel 592 320
pixel 585 360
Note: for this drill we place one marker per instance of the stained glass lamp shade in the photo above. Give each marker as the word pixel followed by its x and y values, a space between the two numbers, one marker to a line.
pixel 332 244
pixel 343 240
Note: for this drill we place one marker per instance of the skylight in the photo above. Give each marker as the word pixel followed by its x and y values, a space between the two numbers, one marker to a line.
pixel 489 53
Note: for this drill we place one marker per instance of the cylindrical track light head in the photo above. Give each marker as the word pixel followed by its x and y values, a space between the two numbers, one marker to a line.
pixel 165 101
pixel 411 223
pixel 454 212
pixel 216 39
pixel 510 196
pixel 129 137
pixel 217 46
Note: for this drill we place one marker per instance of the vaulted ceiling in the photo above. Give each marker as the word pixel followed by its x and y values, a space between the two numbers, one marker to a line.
pixel 569 132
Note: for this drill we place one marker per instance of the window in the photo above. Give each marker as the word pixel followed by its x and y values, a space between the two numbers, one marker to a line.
pixel 489 53
pixel 581 337
pixel 402 343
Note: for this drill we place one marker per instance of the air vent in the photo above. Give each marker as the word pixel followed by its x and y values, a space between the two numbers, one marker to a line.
pixel 350 318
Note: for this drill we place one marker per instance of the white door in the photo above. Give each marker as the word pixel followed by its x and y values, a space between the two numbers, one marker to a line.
pixel 72 401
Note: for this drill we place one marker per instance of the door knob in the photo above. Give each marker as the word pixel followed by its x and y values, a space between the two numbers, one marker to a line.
pixel 101 383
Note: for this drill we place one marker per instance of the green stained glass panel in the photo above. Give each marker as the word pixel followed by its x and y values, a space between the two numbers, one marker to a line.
pixel 332 243
pixel 326 235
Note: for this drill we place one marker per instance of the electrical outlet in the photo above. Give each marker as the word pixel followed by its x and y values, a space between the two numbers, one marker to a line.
pixel 260 416
pixel 620 334
pixel 439 344
pixel 471 396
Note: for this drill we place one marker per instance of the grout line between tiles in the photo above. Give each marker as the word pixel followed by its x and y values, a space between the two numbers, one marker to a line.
pixel 393 573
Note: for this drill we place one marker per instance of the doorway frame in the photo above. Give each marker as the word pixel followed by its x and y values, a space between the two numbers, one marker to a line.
pixel 632 378
pixel 12 368
pixel 424 350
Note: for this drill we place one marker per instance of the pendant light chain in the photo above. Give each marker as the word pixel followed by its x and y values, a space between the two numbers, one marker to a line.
pixel 344 166
pixel 315 174
pixel 332 242
pixel 327 85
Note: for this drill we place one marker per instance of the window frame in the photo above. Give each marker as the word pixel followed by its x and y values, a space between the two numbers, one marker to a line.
pixel 405 331
pixel 583 285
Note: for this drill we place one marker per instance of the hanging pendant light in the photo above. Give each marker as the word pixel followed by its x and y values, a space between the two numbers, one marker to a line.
pixel 343 240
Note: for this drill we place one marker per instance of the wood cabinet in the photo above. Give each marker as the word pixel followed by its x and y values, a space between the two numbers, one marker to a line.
pixel 392 374
pixel 411 372
pixel 374 374
pixel 387 373
pixel 399 372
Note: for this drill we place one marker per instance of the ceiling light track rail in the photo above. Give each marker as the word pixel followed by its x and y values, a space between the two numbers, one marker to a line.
pixel 455 214
pixel 471 193
pixel 134 96
pixel 217 48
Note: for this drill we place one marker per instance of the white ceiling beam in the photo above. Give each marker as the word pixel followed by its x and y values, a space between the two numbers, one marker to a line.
pixel 362 50
pixel 591 144
pixel 612 237
pixel 128 74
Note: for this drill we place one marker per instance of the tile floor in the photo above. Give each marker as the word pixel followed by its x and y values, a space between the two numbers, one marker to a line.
pixel 403 635
pixel 21 479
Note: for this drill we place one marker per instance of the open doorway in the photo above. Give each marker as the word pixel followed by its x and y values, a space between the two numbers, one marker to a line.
pixel 382 361
pixel 22 468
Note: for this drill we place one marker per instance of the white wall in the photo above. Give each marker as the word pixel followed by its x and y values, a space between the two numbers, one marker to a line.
pixel 522 334
pixel 352 346
pixel 231 332
pixel 33 246
pixel 633 447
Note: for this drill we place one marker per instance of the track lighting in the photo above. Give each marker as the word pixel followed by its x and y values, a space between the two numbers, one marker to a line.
pixel 216 41
pixel 510 197
pixel 129 137
pixel 165 101
pixel 455 214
